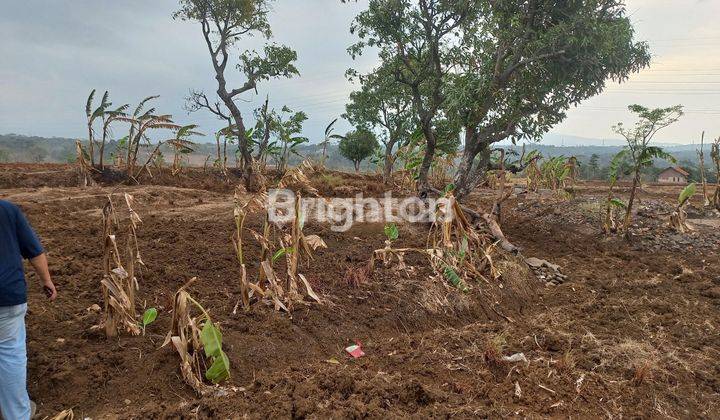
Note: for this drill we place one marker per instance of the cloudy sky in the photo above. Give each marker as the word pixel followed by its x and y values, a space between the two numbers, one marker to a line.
pixel 52 53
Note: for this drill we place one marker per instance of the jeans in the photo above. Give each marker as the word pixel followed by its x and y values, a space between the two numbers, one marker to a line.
pixel 14 400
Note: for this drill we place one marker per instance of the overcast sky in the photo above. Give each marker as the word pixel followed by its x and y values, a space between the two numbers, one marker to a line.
pixel 52 53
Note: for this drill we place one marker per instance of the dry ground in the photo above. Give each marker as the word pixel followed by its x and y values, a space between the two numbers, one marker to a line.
pixel 633 332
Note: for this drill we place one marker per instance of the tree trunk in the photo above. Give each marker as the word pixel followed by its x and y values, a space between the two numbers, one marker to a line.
pixel 251 183
pixel 388 169
pixel 357 166
pixel 91 148
pixel 423 185
pixel 389 160
pixel 266 131
pixel 131 135
pixel 102 147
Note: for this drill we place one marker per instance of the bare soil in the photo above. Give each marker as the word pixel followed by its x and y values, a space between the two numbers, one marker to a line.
pixel 634 330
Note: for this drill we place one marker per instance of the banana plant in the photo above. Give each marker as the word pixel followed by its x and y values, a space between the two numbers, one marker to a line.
pixel 288 127
pixel 329 135
pixel 92 116
pixel 182 144
pixel 612 203
pixel 108 118
pixel 678 219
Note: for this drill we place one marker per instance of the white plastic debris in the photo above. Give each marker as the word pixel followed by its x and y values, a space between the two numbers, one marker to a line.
pixel 517 357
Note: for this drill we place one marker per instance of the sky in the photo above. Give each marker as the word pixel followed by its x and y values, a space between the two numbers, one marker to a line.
pixel 53 53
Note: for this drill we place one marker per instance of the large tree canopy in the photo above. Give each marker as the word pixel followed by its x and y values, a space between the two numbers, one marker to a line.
pixel 502 69
pixel 382 103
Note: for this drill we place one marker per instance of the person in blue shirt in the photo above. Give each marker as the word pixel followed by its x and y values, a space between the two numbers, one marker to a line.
pixel 17 242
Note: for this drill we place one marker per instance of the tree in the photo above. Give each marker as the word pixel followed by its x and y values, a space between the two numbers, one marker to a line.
pixel 358 145
pixel 4 155
pixel 521 65
pixel 715 156
pixel 413 42
pixel 638 138
pixel 182 144
pixel 503 69
pixel 224 23
pixel 382 103
pixel 134 138
pixel 140 123
pixel 37 153
pixel 264 121
pixel 594 165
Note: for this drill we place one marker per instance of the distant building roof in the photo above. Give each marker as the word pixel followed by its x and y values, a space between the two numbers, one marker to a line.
pixel 676 169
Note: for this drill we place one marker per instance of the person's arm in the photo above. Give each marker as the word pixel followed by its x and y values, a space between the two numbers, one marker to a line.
pixel 40 264
pixel 31 249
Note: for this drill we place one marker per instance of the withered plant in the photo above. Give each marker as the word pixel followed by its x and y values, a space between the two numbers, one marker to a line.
pixel 276 243
pixel 198 341
pixel 84 166
pixel 678 217
pixel 457 252
pixel 119 282
pixel 715 155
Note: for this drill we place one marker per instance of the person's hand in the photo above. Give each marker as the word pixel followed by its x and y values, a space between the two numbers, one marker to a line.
pixel 49 288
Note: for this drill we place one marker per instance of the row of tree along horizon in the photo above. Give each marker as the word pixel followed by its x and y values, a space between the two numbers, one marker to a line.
pixel 593 161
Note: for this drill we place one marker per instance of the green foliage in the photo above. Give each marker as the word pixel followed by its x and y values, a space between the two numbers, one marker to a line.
pixel 149 317
pixel 686 194
pixel 358 145
pixel 499 69
pixel 287 125
pixel 282 251
pixel 449 187
pixel 617 203
pixel 391 232
pixel 452 276
pixel 211 338
pixel 276 61
pixel 242 16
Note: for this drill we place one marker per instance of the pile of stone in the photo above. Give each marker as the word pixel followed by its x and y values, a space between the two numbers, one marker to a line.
pixel 546 271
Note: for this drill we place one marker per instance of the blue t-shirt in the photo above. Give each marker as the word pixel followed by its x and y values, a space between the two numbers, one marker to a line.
pixel 17 241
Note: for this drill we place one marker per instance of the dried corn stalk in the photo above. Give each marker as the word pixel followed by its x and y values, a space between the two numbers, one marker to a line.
pixel 456 251
pixel 292 246
pixel 119 283
pixel 84 166
pixel 297 177
pixel 65 415
pixel 198 342
pixel 240 212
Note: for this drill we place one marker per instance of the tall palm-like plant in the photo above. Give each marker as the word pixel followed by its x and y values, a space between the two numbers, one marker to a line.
pixel 142 124
pixel 108 118
pixel 93 115
pixel 182 144
pixel 134 120
pixel 329 136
